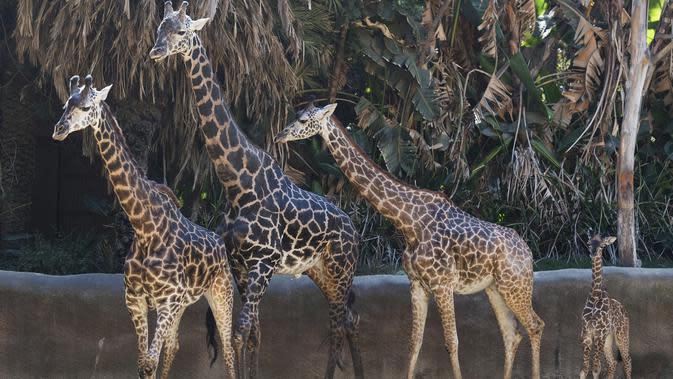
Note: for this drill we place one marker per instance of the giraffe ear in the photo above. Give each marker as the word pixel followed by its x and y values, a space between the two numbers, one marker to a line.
pixel 195 25
pixel 102 94
pixel 328 109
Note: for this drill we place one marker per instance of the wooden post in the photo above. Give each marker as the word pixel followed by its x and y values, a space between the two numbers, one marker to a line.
pixel 634 90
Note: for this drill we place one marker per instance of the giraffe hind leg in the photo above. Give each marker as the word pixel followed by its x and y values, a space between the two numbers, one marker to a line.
pixel 508 327
pixel 587 344
pixel 221 300
pixel 352 322
pixel 334 276
pixel 444 299
pixel 622 339
pixel 519 299
pixel 609 356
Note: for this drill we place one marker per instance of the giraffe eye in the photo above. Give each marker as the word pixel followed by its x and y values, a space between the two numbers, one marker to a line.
pixel 85 109
pixel 303 120
pixel 182 32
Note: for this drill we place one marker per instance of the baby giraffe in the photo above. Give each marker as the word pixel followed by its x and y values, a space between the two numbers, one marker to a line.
pixel 604 320
pixel 172 262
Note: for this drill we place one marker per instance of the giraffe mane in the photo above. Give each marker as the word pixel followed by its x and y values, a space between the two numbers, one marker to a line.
pixel 166 190
pixel 162 188
pixel 378 168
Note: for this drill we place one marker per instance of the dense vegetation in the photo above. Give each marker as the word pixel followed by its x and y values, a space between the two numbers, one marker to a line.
pixel 511 107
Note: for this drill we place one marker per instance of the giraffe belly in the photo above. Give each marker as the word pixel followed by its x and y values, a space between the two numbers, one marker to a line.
pixel 293 265
pixel 470 286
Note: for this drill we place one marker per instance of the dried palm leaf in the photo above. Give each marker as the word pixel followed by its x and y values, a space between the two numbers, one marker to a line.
pixel 488 28
pixel 110 39
pixel 525 11
pixel 496 100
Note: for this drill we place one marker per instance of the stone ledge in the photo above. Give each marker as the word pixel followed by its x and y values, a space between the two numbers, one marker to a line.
pixel 77 327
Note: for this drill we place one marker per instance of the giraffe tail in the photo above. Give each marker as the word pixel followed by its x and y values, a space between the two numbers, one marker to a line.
pixel 211 339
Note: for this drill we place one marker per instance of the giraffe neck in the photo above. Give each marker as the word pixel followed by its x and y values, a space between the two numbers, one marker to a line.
pixel 597 272
pixel 129 182
pixel 387 194
pixel 235 158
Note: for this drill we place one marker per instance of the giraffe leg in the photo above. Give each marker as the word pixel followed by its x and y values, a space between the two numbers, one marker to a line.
pixel 419 312
pixel 253 348
pixel 519 299
pixel 137 308
pixel 221 300
pixel 622 339
pixel 596 364
pixel 352 323
pixel 172 345
pixel 343 322
pixel 258 280
pixel 166 314
pixel 508 327
pixel 609 356
pixel 444 299
pixel 587 343
pixel 241 278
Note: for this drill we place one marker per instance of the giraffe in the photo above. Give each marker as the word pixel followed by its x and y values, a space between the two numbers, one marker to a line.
pixel 272 225
pixel 448 251
pixel 172 262
pixel 604 320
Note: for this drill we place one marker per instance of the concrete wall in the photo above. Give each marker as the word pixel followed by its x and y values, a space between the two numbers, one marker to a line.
pixel 77 327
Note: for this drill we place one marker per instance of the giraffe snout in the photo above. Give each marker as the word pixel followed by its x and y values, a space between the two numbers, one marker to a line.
pixel 158 52
pixel 60 132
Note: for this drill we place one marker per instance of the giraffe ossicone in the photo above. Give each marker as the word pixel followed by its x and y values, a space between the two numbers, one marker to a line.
pixel 173 262
pixel 448 251
pixel 272 226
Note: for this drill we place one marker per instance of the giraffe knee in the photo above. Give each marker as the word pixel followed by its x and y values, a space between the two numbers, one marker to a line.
pixel 147 368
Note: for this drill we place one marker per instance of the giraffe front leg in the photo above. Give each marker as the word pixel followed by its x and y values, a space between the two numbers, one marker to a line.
pixel 419 312
pixel 221 300
pixel 166 314
pixel 172 345
pixel 258 280
pixel 444 299
pixel 137 308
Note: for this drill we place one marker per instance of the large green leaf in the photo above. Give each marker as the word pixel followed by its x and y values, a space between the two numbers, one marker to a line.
pixel 520 68
pixel 397 149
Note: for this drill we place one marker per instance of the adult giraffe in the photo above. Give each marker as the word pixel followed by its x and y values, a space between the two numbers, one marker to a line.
pixel 273 226
pixel 448 251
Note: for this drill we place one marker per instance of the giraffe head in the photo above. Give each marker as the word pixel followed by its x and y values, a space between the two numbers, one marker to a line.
pixel 598 244
pixel 175 33
pixel 309 122
pixel 82 109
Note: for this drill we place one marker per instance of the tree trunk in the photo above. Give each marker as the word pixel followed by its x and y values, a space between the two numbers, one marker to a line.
pixel 639 65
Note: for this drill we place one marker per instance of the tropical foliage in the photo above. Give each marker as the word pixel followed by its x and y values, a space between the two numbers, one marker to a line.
pixel 511 107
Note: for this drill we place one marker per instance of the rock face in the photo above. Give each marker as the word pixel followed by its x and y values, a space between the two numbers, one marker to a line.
pixel 78 327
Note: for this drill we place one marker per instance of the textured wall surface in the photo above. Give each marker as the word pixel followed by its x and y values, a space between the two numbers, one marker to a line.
pixel 77 327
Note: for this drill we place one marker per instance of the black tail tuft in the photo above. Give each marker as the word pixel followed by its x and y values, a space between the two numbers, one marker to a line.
pixel 211 338
pixel 351 299
pixel 619 356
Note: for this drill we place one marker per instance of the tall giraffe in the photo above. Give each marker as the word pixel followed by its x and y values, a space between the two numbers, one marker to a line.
pixel 172 262
pixel 448 251
pixel 273 226
pixel 604 320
